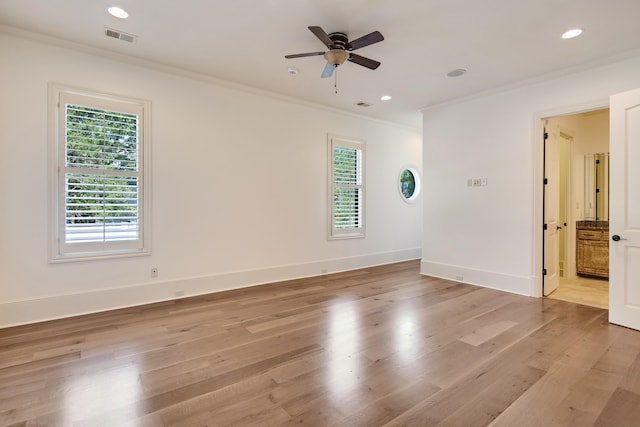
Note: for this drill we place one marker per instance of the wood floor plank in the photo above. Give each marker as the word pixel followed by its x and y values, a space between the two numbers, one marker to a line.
pixel 622 410
pixel 564 377
pixel 483 408
pixel 632 375
pixel 586 399
pixel 456 398
pixel 391 405
pixel 376 346
pixel 485 333
pixel 207 404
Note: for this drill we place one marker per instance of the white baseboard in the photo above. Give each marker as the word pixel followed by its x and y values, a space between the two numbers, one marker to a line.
pixel 20 312
pixel 521 285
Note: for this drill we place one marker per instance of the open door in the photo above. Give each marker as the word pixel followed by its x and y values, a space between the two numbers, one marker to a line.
pixel 551 213
pixel 624 205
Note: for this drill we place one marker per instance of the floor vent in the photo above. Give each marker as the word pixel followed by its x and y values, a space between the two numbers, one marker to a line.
pixel 115 34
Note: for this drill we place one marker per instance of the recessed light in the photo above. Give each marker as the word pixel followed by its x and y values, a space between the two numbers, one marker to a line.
pixel 572 33
pixel 118 12
pixel 385 97
pixel 457 72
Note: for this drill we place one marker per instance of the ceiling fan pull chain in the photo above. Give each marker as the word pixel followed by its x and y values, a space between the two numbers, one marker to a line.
pixel 335 76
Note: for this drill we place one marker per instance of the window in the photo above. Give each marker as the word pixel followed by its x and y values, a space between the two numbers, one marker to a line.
pixel 99 179
pixel 346 176
pixel 409 185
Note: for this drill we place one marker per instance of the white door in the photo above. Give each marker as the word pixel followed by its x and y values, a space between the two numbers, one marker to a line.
pixel 624 208
pixel 551 213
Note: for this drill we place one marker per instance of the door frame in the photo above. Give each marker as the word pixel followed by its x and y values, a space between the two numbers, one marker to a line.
pixel 538 182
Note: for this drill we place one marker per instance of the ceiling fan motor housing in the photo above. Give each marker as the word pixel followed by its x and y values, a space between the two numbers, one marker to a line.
pixel 340 40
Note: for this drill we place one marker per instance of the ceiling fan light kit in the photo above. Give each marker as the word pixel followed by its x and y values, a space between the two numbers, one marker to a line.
pixel 336 56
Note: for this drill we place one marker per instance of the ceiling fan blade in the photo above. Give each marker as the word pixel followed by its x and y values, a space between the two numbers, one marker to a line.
pixel 363 41
pixel 322 35
pixel 328 70
pixel 301 55
pixel 365 62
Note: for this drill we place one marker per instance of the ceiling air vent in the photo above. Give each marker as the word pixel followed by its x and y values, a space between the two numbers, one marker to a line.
pixel 110 32
pixel 363 104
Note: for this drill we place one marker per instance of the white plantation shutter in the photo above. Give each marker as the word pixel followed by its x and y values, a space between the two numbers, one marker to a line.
pixel 347 185
pixel 100 203
pixel 100 208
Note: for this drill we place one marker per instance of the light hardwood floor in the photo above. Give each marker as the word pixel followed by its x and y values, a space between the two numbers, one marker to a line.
pixel 372 347
pixel 583 290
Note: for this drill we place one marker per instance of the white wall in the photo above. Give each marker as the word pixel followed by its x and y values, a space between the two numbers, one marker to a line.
pixel 239 188
pixel 491 235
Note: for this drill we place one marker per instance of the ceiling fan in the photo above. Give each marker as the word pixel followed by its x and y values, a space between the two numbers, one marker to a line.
pixel 340 49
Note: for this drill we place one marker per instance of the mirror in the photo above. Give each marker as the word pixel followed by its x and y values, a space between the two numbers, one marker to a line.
pixel 596 187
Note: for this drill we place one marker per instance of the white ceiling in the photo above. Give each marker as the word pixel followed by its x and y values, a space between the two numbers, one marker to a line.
pixel 499 42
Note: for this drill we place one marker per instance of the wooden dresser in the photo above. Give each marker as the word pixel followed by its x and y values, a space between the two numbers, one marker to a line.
pixel 592 248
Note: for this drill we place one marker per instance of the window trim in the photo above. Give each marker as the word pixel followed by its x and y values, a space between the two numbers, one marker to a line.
pixel 352 232
pixel 56 186
pixel 418 184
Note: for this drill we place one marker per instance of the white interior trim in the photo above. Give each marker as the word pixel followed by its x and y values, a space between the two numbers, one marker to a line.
pixel 484 278
pixel 19 312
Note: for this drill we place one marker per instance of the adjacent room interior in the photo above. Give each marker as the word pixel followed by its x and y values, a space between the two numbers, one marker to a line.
pixel 583 208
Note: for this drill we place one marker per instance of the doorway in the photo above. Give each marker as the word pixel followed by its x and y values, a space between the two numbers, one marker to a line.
pixel 578 138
